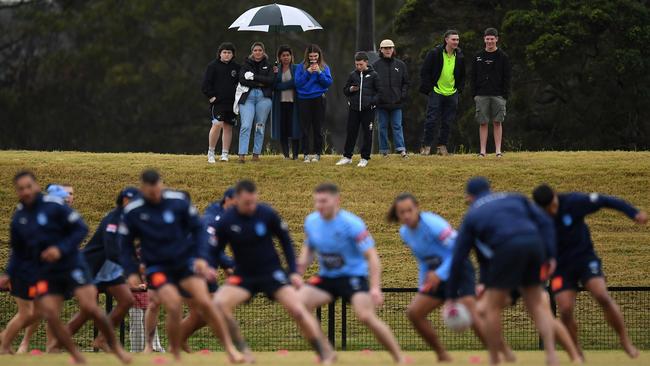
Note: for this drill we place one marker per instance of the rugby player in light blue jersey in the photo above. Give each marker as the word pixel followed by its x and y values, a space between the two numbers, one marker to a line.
pixel 348 264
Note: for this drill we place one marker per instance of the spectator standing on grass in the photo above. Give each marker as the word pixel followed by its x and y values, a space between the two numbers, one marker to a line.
pixel 490 82
pixel 313 78
pixel 393 89
pixel 255 105
pixel 286 122
pixel 219 84
pixel 362 90
pixel 443 78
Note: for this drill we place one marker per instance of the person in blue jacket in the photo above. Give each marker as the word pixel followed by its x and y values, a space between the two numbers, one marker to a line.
pixel 174 251
pixel 284 113
pixel 102 253
pixel 431 240
pixel 313 79
pixel 577 261
pixel 48 233
pixel 518 239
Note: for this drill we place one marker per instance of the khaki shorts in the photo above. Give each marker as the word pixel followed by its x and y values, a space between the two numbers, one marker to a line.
pixel 490 109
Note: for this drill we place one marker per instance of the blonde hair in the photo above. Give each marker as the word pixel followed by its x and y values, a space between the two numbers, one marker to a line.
pixel 258 44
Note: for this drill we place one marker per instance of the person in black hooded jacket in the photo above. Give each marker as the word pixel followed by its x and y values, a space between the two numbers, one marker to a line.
pixel 362 90
pixel 393 90
pixel 255 105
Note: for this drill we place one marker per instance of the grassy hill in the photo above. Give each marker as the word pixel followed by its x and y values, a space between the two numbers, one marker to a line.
pixel 438 182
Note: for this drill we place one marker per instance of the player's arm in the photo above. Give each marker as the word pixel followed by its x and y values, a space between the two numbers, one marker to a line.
pixel 109 237
pixel 374 275
pixel 599 200
pixel 126 237
pixel 462 247
pixel 281 231
pixel 546 228
pixel 200 236
pixel 445 237
pixel 306 257
pixel 76 231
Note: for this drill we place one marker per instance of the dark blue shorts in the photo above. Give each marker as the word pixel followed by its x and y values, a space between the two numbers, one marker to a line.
pixel 343 287
pixel 580 271
pixel 102 286
pixel 467 286
pixel 64 283
pixel 267 284
pixel 159 276
pixel 21 288
pixel 518 263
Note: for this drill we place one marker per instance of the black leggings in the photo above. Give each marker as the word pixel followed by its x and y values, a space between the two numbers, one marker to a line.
pixel 286 129
pixel 359 121
pixel 312 116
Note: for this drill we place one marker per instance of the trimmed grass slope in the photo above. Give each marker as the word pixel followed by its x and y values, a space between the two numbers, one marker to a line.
pixel 438 182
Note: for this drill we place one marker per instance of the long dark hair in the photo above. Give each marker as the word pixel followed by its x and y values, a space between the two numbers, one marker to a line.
pixel 282 49
pixel 391 216
pixel 313 48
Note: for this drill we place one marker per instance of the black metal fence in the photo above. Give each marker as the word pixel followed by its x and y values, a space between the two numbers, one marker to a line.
pixel 268 328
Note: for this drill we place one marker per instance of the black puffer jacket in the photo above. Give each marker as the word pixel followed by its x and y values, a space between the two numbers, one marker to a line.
pixel 393 82
pixel 263 77
pixel 368 94
pixel 432 67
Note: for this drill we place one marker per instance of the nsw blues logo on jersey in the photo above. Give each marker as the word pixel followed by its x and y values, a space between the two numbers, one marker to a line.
pixel 280 276
pixel 567 220
pixel 168 217
pixel 41 218
pixel 78 276
pixel 594 267
pixel 260 229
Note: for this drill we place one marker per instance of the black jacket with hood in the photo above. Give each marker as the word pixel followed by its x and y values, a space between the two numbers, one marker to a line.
pixel 263 77
pixel 368 94
pixel 432 67
pixel 393 82
pixel 220 81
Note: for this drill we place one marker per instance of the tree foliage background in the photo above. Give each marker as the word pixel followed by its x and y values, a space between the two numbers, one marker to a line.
pixel 119 75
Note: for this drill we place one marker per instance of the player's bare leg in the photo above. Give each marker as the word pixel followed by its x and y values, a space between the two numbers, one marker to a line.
pixel 314 298
pixel 25 316
pixel 364 308
pixel 31 329
pixel 288 297
pixel 566 302
pixel 598 289
pixel 481 311
pixel 171 300
pixel 562 335
pixel 541 314
pixel 88 308
pixel 124 301
pixel 478 325
pixel 213 315
pixel 227 299
pixel 189 325
pixel 50 306
pixel 494 303
pixel 417 311
pixel 151 321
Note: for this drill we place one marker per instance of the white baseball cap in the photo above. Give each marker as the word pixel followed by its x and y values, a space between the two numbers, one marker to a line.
pixel 386 43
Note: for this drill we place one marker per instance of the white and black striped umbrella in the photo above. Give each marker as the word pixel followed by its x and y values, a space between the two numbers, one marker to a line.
pixel 276 18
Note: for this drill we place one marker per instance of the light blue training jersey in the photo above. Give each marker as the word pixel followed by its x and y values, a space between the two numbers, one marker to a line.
pixel 340 244
pixel 432 243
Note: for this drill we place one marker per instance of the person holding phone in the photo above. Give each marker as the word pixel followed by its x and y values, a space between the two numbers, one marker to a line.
pixel 284 114
pixel 312 81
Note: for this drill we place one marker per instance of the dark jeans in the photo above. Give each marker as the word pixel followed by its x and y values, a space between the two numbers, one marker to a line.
pixel 441 111
pixel 364 121
pixel 286 127
pixel 312 116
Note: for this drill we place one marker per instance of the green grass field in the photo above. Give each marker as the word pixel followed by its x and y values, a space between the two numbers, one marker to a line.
pixel 438 182
pixel 597 358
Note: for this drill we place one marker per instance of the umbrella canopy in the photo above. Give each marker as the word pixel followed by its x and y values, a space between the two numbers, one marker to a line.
pixel 276 18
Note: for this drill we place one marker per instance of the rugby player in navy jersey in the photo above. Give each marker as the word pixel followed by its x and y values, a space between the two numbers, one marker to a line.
pixel 349 265
pixel 173 245
pixel 249 228
pixel 51 233
pixel 518 239
pixel 577 261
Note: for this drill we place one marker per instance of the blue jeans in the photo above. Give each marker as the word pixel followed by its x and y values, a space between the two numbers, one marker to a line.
pixel 441 110
pixel 257 109
pixel 384 116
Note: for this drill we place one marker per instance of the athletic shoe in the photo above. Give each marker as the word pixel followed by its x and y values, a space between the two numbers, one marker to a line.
pixel 256 157
pixel 211 159
pixel 442 150
pixel 425 150
pixel 363 163
pixel 404 155
pixel 499 155
pixel 307 159
pixel 315 158
pixel 224 157
pixel 242 159
pixel 344 161
pixel 384 155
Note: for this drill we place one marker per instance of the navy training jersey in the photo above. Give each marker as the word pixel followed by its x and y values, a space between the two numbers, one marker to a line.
pixel 104 244
pixel 171 232
pixel 47 222
pixel 341 244
pixel 251 240
pixel 211 219
pixel 573 236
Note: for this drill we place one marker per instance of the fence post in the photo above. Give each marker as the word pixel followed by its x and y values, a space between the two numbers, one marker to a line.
pixel 331 323
pixel 344 325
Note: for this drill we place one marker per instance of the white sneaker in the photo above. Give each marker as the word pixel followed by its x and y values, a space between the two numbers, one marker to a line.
pixel 211 159
pixel 315 158
pixel 363 163
pixel 224 157
pixel 344 161
pixel 307 159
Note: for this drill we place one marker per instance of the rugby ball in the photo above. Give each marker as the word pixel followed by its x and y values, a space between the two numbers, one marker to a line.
pixel 457 317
